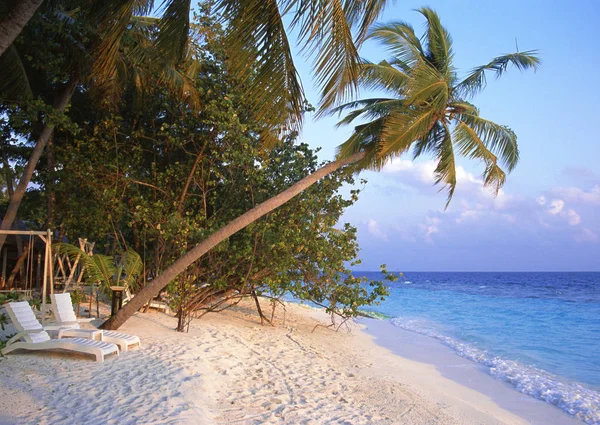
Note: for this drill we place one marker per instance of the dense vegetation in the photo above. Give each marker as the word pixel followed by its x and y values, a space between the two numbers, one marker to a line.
pixel 157 171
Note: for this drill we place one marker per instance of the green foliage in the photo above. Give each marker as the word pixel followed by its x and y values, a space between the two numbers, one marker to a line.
pixel 158 180
pixel 3 320
pixel 428 109
pixel 123 269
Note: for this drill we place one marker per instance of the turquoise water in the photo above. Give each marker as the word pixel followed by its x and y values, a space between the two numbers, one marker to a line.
pixel 538 331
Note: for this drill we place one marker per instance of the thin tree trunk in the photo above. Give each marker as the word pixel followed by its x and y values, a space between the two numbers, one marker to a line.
pixel 50 184
pixel 189 181
pixel 61 103
pixel 18 266
pixel 10 191
pixel 13 22
pixel 154 287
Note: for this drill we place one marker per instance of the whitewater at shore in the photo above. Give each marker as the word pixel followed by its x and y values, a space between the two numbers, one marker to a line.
pixel 229 369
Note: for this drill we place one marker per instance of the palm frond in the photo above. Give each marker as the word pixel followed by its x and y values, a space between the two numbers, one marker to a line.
pixel 439 42
pixel 337 61
pixel 14 82
pixel 462 107
pixel 470 145
pixel 132 268
pixel 494 176
pixel 174 28
pixel 445 171
pixel 400 41
pixel 116 16
pixel 260 57
pixel 364 134
pixel 372 111
pixel 476 80
pixel 431 142
pixel 382 76
pixel 366 138
pixel 73 253
pixel 402 128
pixel 325 30
pixel 180 85
pixel 498 138
pixel 427 88
pixel 105 269
pixel 91 271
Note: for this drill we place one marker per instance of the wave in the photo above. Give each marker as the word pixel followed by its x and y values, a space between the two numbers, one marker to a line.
pixel 572 397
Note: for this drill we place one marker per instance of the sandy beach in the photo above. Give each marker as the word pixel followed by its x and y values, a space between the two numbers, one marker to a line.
pixel 230 370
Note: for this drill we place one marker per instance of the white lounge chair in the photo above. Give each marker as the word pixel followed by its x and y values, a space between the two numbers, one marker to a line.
pixel 69 324
pixel 35 336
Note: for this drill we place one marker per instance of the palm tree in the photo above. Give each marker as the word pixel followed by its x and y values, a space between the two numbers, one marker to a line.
pixel 124 269
pixel 428 110
pixel 14 19
pixel 428 106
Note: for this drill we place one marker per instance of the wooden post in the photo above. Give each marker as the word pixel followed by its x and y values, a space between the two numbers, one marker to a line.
pixel 39 270
pixel 50 263
pixel 45 283
pixel 4 259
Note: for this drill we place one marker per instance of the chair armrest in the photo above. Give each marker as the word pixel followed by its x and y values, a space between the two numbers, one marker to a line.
pixel 18 336
pixel 86 320
pixel 54 326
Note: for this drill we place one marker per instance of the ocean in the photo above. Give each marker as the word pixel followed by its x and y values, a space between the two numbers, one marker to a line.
pixel 540 332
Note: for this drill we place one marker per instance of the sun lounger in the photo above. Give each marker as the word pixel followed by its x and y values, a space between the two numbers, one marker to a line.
pixel 69 324
pixel 32 336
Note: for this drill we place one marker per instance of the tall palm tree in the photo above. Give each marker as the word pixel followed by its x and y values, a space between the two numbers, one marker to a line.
pixel 428 110
pixel 428 107
pixel 13 17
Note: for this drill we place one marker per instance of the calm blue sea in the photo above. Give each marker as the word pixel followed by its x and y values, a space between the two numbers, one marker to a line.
pixel 538 331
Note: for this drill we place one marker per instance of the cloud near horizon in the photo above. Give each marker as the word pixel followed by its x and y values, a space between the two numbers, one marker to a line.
pixel 557 218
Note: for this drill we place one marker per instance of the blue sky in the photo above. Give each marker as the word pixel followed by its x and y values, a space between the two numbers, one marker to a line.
pixel 546 217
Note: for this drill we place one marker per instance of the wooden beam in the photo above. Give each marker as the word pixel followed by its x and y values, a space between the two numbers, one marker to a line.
pixel 23 232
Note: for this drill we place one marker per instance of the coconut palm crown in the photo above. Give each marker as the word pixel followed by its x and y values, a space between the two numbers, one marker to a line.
pixel 428 107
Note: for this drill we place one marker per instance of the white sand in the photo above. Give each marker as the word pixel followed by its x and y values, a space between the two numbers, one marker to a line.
pixel 230 370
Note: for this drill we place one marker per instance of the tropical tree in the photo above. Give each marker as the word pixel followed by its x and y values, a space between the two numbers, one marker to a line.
pixel 257 42
pixel 75 37
pixel 428 107
pixel 429 110
pixel 124 269
pixel 14 15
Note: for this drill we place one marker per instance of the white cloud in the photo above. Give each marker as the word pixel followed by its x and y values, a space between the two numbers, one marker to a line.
pixel 423 172
pixel 556 206
pixel 430 228
pixel 463 176
pixel 578 195
pixel 374 230
pixel 573 218
pixel 540 200
pixel 466 215
pixel 586 235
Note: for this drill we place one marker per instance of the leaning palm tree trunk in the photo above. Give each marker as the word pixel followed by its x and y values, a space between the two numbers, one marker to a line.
pixel 14 21
pixel 61 103
pixel 155 286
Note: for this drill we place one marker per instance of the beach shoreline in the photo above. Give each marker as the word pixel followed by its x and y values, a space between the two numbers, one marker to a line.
pixel 229 369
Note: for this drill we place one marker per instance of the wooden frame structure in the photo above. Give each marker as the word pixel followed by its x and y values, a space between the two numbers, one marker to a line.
pixel 46 237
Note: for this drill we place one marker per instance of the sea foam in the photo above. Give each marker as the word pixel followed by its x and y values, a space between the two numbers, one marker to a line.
pixel 574 398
